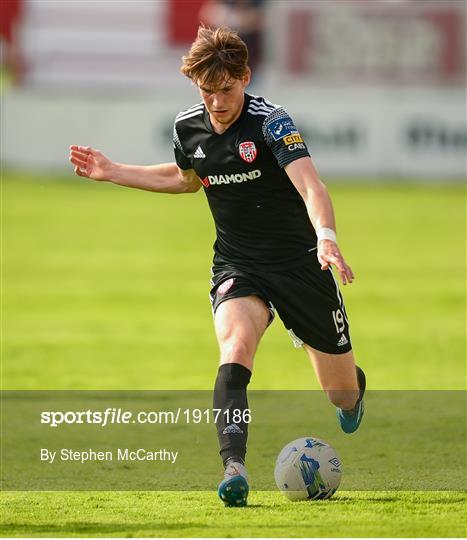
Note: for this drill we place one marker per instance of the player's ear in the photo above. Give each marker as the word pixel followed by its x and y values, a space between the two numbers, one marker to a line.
pixel 247 77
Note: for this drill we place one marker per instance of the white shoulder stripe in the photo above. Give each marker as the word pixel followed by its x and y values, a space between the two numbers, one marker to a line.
pixel 260 100
pixel 271 103
pixel 184 117
pixel 260 107
pixel 263 109
pixel 263 102
pixel 184 113
pixel 258 103
pixel 256 113
pixel 191 109
pixel 195 106
pixel 189 112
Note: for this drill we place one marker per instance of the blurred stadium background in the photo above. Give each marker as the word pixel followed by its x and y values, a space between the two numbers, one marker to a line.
pixel 378 87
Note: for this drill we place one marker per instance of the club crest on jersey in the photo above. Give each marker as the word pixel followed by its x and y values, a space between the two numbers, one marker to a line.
pixel 248 151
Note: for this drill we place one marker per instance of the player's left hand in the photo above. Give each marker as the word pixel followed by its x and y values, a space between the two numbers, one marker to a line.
pixel 329 254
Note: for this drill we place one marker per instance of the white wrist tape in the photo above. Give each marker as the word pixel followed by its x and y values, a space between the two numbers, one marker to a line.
pixel 326 234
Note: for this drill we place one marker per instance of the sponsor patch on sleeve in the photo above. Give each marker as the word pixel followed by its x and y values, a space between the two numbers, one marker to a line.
pixel 292 139
pixel 282 127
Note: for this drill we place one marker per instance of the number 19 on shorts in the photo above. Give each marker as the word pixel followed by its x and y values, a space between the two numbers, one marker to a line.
pixel 339 322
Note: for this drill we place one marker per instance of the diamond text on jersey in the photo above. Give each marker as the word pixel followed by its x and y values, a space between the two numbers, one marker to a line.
pixel 218 179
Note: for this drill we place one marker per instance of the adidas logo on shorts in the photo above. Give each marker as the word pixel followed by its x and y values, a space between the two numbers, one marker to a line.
pixel 343 341
pixel 199 153
pixel 233 428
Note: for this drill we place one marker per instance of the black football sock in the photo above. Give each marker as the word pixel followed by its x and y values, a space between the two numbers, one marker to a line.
pixel 361 383
pixel 230 397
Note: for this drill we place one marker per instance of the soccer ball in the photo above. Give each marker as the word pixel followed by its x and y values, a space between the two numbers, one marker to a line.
pixel 308 468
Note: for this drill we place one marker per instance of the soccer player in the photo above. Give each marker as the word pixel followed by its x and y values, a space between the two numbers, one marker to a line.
pixel 276 237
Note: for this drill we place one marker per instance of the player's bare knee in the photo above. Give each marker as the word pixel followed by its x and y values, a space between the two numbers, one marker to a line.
pixel 344 399
pixel 235 350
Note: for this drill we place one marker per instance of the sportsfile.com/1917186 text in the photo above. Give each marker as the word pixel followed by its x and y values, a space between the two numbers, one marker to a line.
pixel 113 415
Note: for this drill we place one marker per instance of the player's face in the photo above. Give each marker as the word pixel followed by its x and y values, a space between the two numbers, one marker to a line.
pixel 224 101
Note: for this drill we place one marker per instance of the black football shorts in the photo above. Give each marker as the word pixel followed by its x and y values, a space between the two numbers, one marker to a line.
pixel 307 299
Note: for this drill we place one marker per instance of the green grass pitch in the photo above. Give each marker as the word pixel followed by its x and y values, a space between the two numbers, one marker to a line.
pixel 106 288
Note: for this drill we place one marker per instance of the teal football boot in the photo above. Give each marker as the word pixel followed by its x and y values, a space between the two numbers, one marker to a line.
pixel 350 420
pixel 233 490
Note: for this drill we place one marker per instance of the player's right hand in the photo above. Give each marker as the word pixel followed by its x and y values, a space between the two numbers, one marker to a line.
pixel 91 163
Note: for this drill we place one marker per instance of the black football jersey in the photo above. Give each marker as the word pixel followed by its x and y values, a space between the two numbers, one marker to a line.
pixel 261 220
